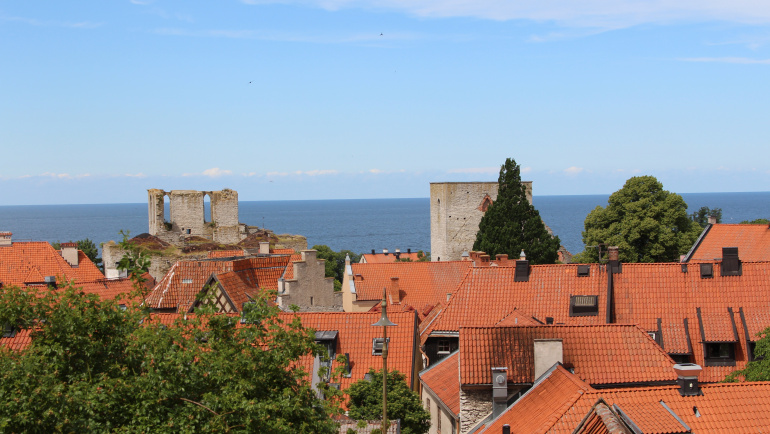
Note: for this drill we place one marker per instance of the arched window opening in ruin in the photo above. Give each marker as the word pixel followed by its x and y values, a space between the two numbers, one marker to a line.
pixel 167 212
pixel 207 215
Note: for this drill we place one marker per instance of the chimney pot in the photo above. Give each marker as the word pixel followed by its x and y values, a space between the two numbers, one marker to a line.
pixel 408 250
pixel 614 253
pixel 687 378
pixel 398 250
pixel 712 220
pixel 522 255
pixel 373 252
pixel 6 239
pixel 506 429
pixel 385 251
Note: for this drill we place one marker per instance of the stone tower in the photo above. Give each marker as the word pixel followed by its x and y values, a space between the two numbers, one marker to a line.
pixel 456 209
pixel 188 218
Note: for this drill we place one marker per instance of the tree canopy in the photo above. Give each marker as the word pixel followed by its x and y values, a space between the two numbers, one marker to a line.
pixel 759 221
pixel 335 262
pixel 647 223
pixel 759 369
pixel 95 367
pixel 702 215
pixel 87 247
pixel 403 403
pixel 511 224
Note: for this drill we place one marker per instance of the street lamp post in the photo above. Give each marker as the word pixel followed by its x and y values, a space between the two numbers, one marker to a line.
pixel 385 323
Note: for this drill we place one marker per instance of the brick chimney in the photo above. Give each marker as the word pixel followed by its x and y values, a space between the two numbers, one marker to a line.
pixel 613 254
pixel 264 247
pixel 483 261
pixel 6 239
pixel 522 256
pixel 69 251
pixel 502 259
pixel 394 291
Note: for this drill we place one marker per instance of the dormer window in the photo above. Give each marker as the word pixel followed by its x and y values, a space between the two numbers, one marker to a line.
pixel 444 347
pixel 719 353
pixel 584 305
pixel 706 271
pixel 377 346
pixel 584 270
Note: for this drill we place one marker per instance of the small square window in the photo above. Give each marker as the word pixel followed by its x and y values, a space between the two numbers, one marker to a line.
pixel 444 347
pixel 583 270
pixel 186 280
pixel 753 352
pixel 706 271
pixel 377 346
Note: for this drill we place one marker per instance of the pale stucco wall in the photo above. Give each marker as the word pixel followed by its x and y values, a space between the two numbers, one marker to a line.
pixel 310 290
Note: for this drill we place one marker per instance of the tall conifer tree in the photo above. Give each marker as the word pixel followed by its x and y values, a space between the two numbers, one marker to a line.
pixel 511 224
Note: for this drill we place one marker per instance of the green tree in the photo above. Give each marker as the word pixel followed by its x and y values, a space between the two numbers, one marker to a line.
pixel 511 224
pixel 702 215
pixel 335 262
pixel 93 367
pixel 88 248
pixel 403 403
pixel 756 222
pixel 759 369
pixel 647 223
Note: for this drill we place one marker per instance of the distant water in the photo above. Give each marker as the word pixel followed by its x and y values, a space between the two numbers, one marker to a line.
pixel 358 225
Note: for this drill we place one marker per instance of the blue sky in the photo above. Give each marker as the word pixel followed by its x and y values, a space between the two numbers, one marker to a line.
pixel 321 99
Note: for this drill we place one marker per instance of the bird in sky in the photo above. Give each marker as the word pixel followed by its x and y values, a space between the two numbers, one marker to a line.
pixel 380 34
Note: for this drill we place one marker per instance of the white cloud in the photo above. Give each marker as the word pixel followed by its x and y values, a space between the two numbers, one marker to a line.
pixel 376 171
pixel 216 172
pixel 475 170
pixel 526 169
pixel 320 172
pixel 277 174
pixel 739 60
pixel 64 175
pixel 574 170
pixel 586 13
pixel 136 175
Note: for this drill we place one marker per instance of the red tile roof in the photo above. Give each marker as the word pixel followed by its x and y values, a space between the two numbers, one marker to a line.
pixel 488 294
pixel 181 284
pixel 599 354
pixel 29 262
pixel 443 379
pixel 645 293
pixel 559 403
pixel 752 241
pixel 19 341
pixel 382 258
pixel 418 284
pixel 356 335
pixel 226 253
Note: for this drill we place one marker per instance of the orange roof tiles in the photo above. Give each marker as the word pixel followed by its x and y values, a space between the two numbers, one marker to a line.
pixel 355 337
pixel 489 294
pixel 752 241
pixel 20 340
pixel 30 262
pixel 382 258
pixel 645 293
pixel 179 287
pixel 558 404
pixel 418 284
pixel 443 380
pixel 599 354
pixel 226 253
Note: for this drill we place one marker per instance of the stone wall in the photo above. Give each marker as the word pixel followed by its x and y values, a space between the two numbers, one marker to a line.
pixel 475 404
pixel 310 289
pixel 456 209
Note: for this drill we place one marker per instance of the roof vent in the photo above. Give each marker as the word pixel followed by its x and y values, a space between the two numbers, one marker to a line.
pixel 522 271
pixel 373 252
pixel 584 270
pixel 706 271
pixel 687 378
pixel 385 251
pixel 731 264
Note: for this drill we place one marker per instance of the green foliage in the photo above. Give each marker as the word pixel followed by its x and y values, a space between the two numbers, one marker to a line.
pixel 88 248
pixel 702 215
pixel 403 403
pixel 511 224
pixel 756 222
pixel 647 223
pixel 335 262
pixel 758 370
pixel 135 260
pixel 93 367
pixel 421 257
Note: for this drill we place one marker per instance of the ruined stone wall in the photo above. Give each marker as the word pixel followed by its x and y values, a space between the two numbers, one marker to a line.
pixel 456 209
pixel 187 212
pixel 224 216
pixel 310 289
pixel 474 405
pixel 155 207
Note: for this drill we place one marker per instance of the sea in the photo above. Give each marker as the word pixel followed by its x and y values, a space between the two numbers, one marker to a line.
pixel 359 225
